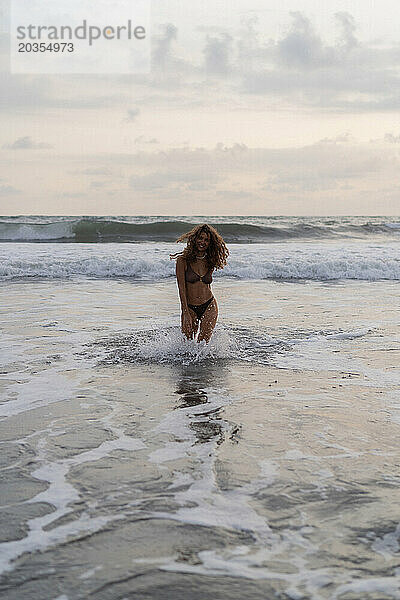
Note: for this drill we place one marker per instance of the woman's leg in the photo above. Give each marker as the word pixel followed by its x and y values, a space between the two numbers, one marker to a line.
pixel 208 322
pixel 194 326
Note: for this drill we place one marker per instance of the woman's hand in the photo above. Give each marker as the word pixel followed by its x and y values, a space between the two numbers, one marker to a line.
pixel 187 324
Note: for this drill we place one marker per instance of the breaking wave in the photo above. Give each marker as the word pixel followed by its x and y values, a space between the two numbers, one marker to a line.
pixel 238 230
pixel 150 262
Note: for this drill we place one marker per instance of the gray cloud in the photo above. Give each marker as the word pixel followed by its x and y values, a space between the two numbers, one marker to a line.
pixel 240 194
pixel 8 190
pixel 132 114
pixel 172 69
pixel 344 137
pixel 302 47
pixel 348 76
pixel 226 175
pixel 325 165
pixel 328 164
pixel 73 195
pixel 299 68
pixel 174 178
pixel 331 164
pixel 392 139
pixel 98 184
pixel 348 24
pixel 26 143
pixel 162 49
pixel 97 171
pixel 217 54
pixel 20 91
pixel 141 139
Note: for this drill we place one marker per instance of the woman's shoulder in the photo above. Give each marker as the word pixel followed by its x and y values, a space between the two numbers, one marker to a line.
pixel 181 261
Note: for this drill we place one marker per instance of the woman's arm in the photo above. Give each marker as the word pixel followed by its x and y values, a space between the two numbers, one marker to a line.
pixel 186 319
pixel 180 276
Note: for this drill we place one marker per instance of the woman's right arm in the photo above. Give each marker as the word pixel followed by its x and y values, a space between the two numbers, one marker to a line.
pixel 180 276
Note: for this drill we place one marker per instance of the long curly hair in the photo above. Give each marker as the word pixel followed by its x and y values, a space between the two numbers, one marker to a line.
pixel 217 252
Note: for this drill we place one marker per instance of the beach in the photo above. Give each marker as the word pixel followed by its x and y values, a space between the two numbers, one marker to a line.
pixel 136 464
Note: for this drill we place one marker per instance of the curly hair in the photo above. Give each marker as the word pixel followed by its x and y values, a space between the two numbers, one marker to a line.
pixel 217 252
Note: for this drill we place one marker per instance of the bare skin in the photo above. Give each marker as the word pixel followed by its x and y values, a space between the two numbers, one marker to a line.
pixel 196 293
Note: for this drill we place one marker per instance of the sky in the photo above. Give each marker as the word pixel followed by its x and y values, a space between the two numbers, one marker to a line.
pixel 250 107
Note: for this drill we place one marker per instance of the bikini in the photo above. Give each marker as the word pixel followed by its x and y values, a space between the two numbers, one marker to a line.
pixel 192 277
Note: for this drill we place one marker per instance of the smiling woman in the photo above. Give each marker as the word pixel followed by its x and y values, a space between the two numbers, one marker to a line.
pixel 204 252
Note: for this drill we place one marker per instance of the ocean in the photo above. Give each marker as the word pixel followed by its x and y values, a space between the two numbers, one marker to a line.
pixel 136 464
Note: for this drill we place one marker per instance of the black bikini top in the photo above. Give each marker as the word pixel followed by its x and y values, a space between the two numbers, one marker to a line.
pixel 191 276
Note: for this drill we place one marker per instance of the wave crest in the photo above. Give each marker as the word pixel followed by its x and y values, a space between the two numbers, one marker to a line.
pixel 96 229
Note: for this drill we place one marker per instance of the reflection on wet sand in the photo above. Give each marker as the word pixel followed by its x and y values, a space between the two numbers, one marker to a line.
pixel 208 424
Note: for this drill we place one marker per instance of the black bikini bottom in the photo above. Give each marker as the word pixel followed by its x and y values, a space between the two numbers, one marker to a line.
pixel 200 309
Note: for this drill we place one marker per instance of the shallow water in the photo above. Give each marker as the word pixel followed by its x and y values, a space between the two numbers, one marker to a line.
pixel 264 465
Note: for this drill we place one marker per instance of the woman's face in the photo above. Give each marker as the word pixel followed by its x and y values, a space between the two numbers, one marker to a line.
pixel 202 241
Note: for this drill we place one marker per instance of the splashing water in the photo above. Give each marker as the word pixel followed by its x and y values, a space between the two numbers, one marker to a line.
pixel 168 345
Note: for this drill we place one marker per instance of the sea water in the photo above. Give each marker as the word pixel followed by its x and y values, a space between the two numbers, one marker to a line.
pixel 137 464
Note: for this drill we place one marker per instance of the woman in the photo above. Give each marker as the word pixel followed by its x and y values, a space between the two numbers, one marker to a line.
pixel 204 252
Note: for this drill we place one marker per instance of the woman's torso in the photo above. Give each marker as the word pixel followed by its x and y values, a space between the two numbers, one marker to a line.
pixel 198 292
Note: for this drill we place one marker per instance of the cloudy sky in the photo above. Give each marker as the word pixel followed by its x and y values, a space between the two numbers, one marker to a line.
pixel 259 107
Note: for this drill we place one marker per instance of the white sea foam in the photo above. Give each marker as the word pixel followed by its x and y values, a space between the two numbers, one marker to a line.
pixel 34 231
pixel 349 335
pixel 29 393
pixel 384 585
pixel 203 502
pixel 61 494
pixel 150 261
pixel 168 345
pixel 389 544
pixel 393 225
pixel 326 353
